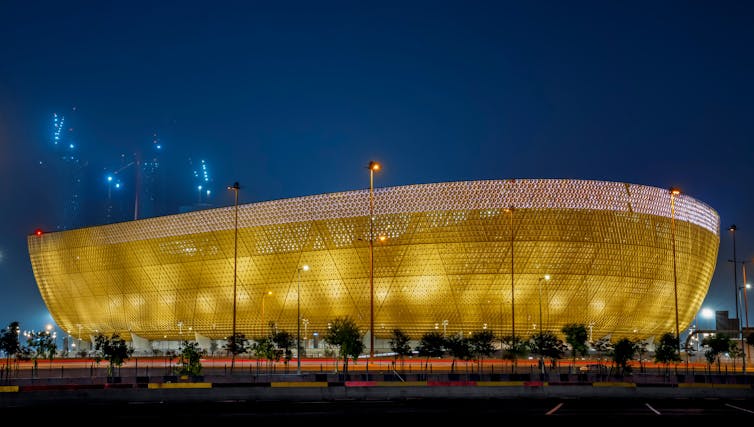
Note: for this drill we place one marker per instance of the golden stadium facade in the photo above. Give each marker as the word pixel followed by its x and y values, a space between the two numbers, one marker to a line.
pixel 445 257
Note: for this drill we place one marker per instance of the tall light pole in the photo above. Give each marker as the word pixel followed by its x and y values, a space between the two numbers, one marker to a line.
pixel 546 278
pixel 373 166
pixel 673 193
pixel 513 289
pixel 746 315
pixel 298 319
pixel 235 187
pixel 733 229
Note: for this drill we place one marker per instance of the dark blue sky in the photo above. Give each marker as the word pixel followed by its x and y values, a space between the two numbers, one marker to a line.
pixel 294 99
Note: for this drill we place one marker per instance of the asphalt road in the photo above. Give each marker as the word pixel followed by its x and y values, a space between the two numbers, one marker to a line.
pixel 439 411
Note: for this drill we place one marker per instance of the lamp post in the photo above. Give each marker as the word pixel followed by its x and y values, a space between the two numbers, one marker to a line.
pixel 673 193
pixel 746 315
pixel 373 166
pixel 733 229
pixel 546 278
pixel 235 187
pixel 298 319
pixel 513 291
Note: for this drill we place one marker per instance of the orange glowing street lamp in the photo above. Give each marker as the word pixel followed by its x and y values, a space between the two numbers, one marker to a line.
pixel 373 167
pixel 513 290
pixel 235 187
pixel 674 192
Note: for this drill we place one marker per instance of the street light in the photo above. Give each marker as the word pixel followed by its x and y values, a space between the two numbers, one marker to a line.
pixel 733 229
pixel 235 187
pixel 513 292
pixel 746 311
pixel 673 193
pixel 546 278
pixel 298 319
pixel 373 166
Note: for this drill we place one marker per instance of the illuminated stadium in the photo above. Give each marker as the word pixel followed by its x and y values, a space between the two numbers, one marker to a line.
pixel 452 257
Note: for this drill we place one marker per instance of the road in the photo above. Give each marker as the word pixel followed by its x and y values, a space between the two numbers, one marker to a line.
pixel 426 411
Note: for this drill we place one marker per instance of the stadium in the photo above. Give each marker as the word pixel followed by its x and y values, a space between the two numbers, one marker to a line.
pixel 454 257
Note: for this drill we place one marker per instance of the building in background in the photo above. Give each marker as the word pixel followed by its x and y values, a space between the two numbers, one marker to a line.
pixel 63 162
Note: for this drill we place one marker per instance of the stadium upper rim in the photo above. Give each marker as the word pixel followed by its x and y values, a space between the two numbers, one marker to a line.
pixel 445 196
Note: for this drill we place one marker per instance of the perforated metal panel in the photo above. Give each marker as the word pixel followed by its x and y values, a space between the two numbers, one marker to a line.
pixel 447 256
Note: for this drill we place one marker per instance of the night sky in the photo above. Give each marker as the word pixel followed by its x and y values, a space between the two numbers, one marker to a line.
pixel 294 99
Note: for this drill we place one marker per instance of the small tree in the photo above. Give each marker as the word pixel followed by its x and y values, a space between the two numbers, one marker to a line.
pixel 10 344
pixel 235 345
pixel 284 341
pixel 710 355
pixel 114 349
pixel 458 347
pixel 399 345
pixel 344 334
pixel 189 359
pixel 623 352
pixel 603 346
pixel 513 348
pixel 576 337
pixel 667 350
pixel 718 344
pixel 735 352
pixel 641 350
pixel 546 345
pixel 213 348
pixel 264 348
pixel 432 344
pixel 42 346
pixel 481 345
